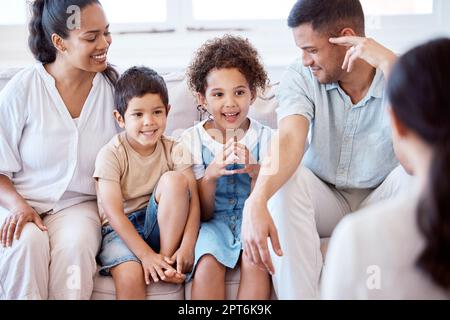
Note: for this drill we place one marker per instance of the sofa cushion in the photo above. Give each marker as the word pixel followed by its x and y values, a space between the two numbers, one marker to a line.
pixel 104 290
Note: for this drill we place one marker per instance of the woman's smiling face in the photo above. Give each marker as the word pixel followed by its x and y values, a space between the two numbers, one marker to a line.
pixel 87 46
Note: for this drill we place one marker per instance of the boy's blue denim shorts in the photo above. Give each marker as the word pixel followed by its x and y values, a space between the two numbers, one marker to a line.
pixel 114 251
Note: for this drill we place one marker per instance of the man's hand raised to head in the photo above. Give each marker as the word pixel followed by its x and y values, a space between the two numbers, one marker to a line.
pixel 367 49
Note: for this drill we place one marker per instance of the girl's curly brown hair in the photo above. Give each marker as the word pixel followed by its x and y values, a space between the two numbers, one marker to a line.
pixel 226 52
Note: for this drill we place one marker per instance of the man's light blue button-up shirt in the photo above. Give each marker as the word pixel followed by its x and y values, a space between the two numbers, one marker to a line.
pixel 350 146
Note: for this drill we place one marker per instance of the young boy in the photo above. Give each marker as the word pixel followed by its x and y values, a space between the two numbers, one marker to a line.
pixel 147 196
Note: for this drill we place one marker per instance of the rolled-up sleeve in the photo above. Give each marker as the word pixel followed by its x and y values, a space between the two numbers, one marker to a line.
pixel 107 165
pixel 293 94
pixel 12 122
pixel 192 147
pixel 181 156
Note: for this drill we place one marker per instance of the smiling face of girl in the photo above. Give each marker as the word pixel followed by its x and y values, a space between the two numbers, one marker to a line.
pixel 227 98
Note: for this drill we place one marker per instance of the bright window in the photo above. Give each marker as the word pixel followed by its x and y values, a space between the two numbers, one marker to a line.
pixel 211 12
pixel 135 11
pixel 241 10
pixel 397 7
pixel 12 12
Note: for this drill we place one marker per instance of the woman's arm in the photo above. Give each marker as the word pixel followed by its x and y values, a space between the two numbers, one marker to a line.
pixel 21 213
pixel 9 197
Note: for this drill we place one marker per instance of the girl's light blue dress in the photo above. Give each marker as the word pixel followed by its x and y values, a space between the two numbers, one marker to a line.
pixel 221 236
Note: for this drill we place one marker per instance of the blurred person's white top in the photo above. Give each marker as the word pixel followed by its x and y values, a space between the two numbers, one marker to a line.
pixel 48 156
pixel 373 253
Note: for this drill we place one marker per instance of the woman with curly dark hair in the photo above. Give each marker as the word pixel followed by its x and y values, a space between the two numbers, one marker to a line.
pixel 227 150
pixel 400 249
pixel 54 118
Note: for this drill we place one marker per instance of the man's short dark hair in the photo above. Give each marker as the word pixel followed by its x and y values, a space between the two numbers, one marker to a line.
pixel 136 82
pixel 328 16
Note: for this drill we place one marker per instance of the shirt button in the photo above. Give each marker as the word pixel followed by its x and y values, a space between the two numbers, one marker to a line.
pixel 231 181
pixel 232 201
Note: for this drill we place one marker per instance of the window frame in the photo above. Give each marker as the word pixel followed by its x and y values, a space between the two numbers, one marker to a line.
pixel 26 14
pixel 261 24
pixel 180 18
pixel 373 22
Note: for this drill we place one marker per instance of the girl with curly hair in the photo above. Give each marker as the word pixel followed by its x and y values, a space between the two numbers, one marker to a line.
pixel 227 150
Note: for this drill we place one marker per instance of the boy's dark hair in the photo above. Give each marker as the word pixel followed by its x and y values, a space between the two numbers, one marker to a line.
pixel 328 16
pixel 137 82
pixel 226 52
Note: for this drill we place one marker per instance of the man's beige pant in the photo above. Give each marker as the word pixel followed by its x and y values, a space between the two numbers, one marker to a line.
pixel 58 264
pixel 306 209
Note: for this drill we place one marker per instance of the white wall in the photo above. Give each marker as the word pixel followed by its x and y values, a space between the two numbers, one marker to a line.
pixel 173 51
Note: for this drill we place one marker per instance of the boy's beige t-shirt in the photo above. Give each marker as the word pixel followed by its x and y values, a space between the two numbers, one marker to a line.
pixel 137 175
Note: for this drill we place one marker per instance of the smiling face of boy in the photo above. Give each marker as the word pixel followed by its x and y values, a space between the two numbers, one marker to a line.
pixel 144 122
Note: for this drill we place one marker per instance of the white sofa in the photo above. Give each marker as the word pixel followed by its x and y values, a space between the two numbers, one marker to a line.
pixel 183 115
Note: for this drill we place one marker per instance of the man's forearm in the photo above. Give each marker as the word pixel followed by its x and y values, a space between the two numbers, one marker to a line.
pixel 388 63
pixel 286 154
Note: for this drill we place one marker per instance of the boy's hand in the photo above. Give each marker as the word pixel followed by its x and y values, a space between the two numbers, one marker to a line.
pixel 184 258
pixel 157 266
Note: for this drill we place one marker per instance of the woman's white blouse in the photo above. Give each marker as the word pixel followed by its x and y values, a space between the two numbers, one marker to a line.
pixel 48 156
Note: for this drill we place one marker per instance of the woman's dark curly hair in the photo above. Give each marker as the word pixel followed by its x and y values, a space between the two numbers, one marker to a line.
pixel 226 52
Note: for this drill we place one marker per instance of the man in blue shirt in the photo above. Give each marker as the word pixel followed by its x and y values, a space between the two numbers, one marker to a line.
pixel 334 98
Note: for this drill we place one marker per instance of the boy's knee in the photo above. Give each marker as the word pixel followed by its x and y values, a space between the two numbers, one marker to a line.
pixel 174 180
